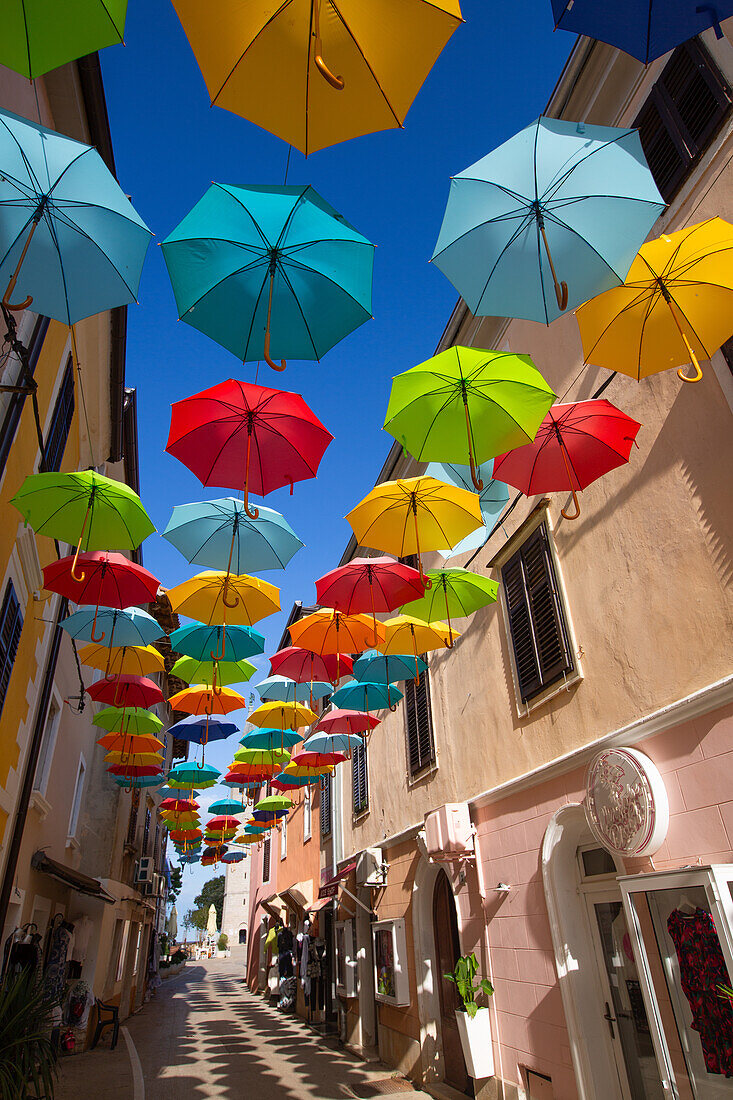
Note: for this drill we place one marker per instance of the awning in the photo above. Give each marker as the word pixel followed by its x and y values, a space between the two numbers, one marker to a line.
pixel 320 904
pixel 299 896
pixel 81 883
pixel 274 905
pixel 330 888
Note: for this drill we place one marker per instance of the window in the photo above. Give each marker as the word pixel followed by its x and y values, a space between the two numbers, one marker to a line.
pixel 76 803
pixel 266 860
pixel 63 414
pixel 359 782
pixel 138 944
pixel 132 821
pixel 48 744
pixel 11 374
pixel 537 627
pixel 11 624
pixel 146 829
pixel 307 815
pixel 325 807
pixel 283 839
pixel 681 115
pixel 123 950
pixel 419 724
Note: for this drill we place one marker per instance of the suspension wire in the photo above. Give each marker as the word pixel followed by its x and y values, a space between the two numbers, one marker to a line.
pixel 82 395
pixel 287 165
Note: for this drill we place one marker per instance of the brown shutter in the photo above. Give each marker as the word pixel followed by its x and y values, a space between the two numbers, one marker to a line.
pixel 419 722
pixel 325 805
pixel 359 786
pixel 266 861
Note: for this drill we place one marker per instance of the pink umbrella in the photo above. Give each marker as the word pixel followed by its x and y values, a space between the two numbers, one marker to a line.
pixel 346 721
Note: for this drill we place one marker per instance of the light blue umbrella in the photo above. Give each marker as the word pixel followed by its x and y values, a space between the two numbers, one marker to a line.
pixel 270 271
pixel 492 499
pixel 85 242
pixel 373 667
pixel 367 696
pixel 209 531
pixel 551 218
pixel 270 739
pixel 138 781
pixel 333 742
pixel 109 626
pixel 283 690
pixel 230 643
pixel 226 806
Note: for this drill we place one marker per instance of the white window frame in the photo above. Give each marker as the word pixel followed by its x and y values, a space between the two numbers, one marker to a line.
pixel 123 951
pixel 307 815
pixel 48 743
pixel 284 839
pixel 81 772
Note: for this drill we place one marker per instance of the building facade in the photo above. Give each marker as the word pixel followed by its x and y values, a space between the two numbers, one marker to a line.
pixel 235 915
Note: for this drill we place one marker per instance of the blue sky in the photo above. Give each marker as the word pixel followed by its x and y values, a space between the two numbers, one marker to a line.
pixel 494 77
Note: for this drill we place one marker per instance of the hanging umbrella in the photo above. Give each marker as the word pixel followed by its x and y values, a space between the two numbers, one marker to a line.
pixel 321 761
pixel 144 759
pixel 332 632
pixel 369 585
pixel 467 403
pixel 367 696
pixel 222 821
pixel 126 691
pixel 144 781
pixel 83 506
pixel 220 534
pixel 232 857
pixel 109 579
pixel 338 72
pixel 304 666
pixel 128 743
pixel 184 836
pixel 280 689
pixel 405 632
pixel 288 716
pixel 187 774
pixel 128 720
pixel 285 782
pixel 674 307
pixel 254 264
pixel 133 771
pixel 272 760
pixel 240 781
pixel 129 660
pixel 225 806
pixel 577 443
pixel 644 30
pixel 274 803
pixel 71 242
pixel 198 699
pixel 193 671
pixel 558 201
pixel 200 729
pixel 113 627
pixel 178 804
pixel 414 514
pixel 37 39
pixel 218 643
pixel 241 436
pixel 321 743
pixel 215 597
pixel 455 593
pixel 383 668
pixel 492 498
pixel 343 721
pixel 271 739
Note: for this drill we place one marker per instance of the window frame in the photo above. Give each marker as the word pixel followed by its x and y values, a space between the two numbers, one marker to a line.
pixel 14 408
pixel 65 400
pixel 284 839
pixel 428 766
pixel 8 657
pixel 307 801
pixel 81 771
pixel 362 808
pixel 48 743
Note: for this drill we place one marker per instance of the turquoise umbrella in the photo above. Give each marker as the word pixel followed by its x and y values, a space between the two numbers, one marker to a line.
pixel 283 690
pixel 226 806
pixel 138 781
pixel 189 774
pixel 374 667
pixel 269 739
pixel 219 534
pixel 111 627
pixel 367 696
pixel 551 218
pixel 70 241
pixel 493 498
pixel 270 272
pixel 220 643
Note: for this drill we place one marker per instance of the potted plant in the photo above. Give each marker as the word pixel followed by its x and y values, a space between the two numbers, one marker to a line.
pixel 27 1055
pixel 473 1022
pixel 221 946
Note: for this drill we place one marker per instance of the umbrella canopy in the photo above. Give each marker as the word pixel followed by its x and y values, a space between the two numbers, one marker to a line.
pixel 113 627
pixel 240 781
pixel 128 720
pixel 225 806
pixel 126 691
pixel 144 759
pixel 71 242
pixel 178 804
pixel 201 730
pixel 185 835
pixel 674 307
pixel 322 743
pixel 128 743
pixel 37 39
pixel 333 632
pixel 286 716
pixel 577 443
pixel 215 597
pixel 272 802
pixel 414 514
pixel 339 75
pixel 270 271
pixel 220 534
pixel 280 689
pixel 454 593
pixel 467 404
pixel 492 498
pixel 226 822
pixel 200 699
pixel 241 436
pixel 232 857
pixel 367 696
pixel 285 782
pixel 128 660
pixel 369 585
pixel 342 721
pixel 262 759
pixel 109 579
pixel 304 666
pixel 172 925
pixel 405 632
pixel 558 201
pixel 383 668
pixel 321 761
pixel 193 671
pixel 189 774
pixel 271 739
pixel 134 771
pixel 145 781
pixel 217 643
pixel 644 30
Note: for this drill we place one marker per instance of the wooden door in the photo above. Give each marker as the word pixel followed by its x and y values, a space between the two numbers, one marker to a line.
pixel 447 951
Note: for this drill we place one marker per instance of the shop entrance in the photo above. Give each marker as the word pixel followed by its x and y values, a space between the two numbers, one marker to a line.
pixel 447 951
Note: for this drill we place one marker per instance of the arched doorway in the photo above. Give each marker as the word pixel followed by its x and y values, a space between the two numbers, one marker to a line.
pixel 243 935
pixel 447 951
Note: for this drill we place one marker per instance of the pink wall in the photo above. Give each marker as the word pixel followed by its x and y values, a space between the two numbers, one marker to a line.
pixel 696 761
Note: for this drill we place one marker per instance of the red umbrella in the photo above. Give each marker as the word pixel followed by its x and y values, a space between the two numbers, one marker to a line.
pixel 346 721
pixel 126 691
pixel 369 584
pixel 215 824
pixel 304 666
pixel 239 774
pixel 178 805
pixel 111 580
pixel 316 759
pixel 576 443
pixel 240 436
pixel 133 770
pixel 185 834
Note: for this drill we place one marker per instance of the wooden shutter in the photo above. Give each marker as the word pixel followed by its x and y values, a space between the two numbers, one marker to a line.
pixel 419 722
pixel 325 805
pixel 536 621
pixel 132 820
pixel 11 625
pixel 63 414
pixel 266 861
pixel 684 109
pixel 359 785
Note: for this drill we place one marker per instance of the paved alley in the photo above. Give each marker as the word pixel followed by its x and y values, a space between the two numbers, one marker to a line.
pixel 205 1035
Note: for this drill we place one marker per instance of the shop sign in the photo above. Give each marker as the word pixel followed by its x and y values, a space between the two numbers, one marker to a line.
pixel 626 802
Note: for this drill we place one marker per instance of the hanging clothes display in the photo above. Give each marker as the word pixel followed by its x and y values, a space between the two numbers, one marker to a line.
pixel 285 952
pixel 57 948
pixel 702 971
pixel 22 951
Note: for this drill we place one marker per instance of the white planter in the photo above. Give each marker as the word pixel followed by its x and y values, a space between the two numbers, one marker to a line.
pixel 478 1050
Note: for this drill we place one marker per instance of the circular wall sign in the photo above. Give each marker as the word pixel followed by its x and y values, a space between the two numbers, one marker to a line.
pixel 626 802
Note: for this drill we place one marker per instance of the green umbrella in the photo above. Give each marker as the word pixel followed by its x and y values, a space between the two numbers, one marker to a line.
pixel 133 720
pixel 468 400
pixel 192 671
pixel 274 802
pixel 100 513
pixel 454 592
pixel 39 37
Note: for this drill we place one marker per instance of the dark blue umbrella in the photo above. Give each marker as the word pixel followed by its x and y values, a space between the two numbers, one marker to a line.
pixel 201 729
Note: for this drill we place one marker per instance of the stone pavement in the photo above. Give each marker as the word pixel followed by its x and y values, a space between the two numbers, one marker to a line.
pixel 205 1035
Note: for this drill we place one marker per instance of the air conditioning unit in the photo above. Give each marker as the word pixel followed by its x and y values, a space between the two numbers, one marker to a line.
pixel 369 869
pixel 145 869
pixel 147 889
pixel 448 831
pixel 159 885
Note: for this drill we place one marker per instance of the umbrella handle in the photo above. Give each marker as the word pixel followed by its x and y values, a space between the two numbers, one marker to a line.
pixel 477 482
pixel 103 635
pixel 220 656
pixel 574 515
pixel 561 289
pixel 224 599
pixel 14 277
pixel 254 512
pixel 563 513
pixel 336 82
pixel 81 576
pixel 266 345
pixel 693 358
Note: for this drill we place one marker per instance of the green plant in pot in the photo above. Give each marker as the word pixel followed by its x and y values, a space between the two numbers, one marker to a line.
pixel 474 1026
pixel 222 942
pixel 463 977
pixel 27 1055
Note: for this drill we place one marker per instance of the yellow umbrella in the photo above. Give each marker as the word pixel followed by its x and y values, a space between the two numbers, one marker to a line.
pixel 329 631
pixel 127 660
pixel 137 759
pixel 306 771
pixel 405 634
pixel 676 305
pixel 200 699
pixel 216 598
pixel 414 514
pixel 284 716
pixel 317 72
